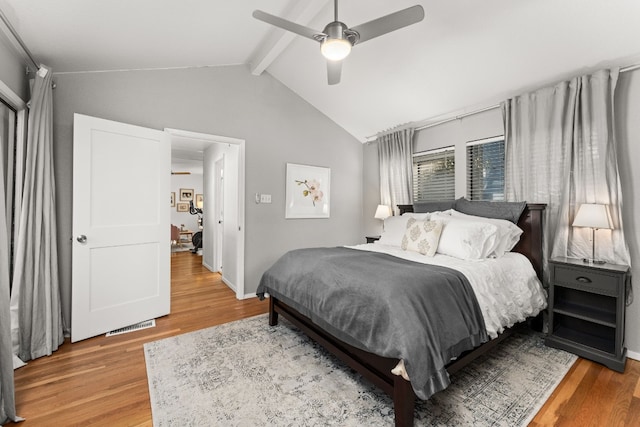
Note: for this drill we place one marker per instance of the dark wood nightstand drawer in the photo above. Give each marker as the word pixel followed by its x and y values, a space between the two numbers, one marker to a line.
pixel 584 279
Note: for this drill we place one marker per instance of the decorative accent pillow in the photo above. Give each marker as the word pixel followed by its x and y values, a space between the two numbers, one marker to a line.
pixel 466 239
pixel 394 228
pixel 422 236
pixel 508 232
pixel 418 216
pixel 426 215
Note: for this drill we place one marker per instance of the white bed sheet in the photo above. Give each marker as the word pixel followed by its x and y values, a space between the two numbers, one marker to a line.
pixel 507 288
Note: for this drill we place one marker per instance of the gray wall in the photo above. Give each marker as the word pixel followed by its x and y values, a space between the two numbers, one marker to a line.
pixel 277 125
pixel 489 123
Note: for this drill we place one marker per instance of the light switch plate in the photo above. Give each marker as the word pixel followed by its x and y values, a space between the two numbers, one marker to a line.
pixel 265 198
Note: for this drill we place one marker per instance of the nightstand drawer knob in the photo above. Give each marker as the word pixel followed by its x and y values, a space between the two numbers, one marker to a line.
pixel 583 279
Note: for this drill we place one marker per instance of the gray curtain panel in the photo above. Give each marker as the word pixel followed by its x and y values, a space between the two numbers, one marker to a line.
pixel 36 293
pixel 395 158
pixel 560 150
pixel 7 393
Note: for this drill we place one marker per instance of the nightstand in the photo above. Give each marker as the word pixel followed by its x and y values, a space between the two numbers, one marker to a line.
pixel 587 310
pixel 371 239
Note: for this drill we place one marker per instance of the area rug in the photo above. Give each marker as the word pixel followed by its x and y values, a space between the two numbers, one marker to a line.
pixel 247 373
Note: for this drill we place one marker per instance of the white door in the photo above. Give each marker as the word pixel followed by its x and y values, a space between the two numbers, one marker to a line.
pixel 121 226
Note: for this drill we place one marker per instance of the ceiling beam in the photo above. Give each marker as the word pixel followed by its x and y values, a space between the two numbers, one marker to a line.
pixel 277 40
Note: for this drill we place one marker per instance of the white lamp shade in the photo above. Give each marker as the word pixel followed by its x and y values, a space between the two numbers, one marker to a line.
pixel 382 212
pixel 592 215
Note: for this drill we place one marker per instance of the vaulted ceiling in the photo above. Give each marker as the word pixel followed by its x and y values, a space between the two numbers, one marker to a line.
pixel 465 54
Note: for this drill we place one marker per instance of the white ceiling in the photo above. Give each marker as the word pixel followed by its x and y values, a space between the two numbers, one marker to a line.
pixel 465 55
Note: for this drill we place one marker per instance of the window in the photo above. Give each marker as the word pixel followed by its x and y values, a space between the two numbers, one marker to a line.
pixel 434 175
pixel 485 169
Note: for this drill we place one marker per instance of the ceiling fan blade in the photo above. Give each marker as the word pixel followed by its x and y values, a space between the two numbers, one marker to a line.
pixel 388 23
pixel 334 69
pixel 286 25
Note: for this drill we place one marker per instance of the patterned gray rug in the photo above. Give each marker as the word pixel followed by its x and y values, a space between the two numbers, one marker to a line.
pixel 247 373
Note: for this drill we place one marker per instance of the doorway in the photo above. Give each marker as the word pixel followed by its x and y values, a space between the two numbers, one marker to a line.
pixel 222 221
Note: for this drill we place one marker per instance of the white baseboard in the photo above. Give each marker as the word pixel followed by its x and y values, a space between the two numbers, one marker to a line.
pixel 208 267
pixel 250 295
pixel 228 283
pixel 633 355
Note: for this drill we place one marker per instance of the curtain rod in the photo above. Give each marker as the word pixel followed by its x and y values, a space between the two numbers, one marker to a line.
pixel 481 110
pixel 459 116
pixel 630 68
pixel 23 47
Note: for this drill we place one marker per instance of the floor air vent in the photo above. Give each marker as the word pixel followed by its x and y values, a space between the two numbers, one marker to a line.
pixel 132 328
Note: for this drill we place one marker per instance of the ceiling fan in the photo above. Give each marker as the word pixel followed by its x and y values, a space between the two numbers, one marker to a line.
pixel 336 40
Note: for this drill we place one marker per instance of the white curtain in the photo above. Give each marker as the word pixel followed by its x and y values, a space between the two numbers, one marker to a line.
pixel 561 150
pixel 7 392
pixel 395 151
pixel 35 297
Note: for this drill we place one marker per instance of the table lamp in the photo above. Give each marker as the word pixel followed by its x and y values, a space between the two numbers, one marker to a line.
pixel 594 216
pixel 382 212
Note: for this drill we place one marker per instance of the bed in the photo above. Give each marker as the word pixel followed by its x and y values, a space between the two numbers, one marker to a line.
pixel 363 353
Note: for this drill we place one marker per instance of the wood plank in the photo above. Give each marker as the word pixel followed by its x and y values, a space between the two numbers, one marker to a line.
pixel 103 381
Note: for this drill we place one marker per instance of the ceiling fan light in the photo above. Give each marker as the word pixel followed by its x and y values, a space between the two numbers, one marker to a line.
pixel 335 49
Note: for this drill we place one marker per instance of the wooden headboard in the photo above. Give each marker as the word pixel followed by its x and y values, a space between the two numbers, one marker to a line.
pixel 530 244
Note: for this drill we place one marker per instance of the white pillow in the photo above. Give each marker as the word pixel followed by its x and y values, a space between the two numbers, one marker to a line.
pixel 426 215
pixel 508 233
pixel 466 239
pixel 422 236
pixel 394 228
pixel 418 216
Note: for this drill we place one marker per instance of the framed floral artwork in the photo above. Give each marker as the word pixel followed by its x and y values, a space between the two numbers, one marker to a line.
pixel 308 191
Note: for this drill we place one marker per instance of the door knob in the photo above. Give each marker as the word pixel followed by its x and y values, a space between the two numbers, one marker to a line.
pixel 82 238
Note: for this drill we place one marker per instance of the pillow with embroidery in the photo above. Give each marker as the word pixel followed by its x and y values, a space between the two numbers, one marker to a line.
pixel 422 236
pixel 466 239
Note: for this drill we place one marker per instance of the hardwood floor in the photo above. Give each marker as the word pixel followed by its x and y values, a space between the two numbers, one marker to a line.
pixel 593 395
pixel 103 381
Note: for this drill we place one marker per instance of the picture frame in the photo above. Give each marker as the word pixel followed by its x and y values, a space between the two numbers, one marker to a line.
pixel 308 191
pixel 173 199
pixel 183 207
pixel 199 201
pixel 186 194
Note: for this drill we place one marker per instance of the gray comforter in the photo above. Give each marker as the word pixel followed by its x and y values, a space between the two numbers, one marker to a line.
pixel 422 314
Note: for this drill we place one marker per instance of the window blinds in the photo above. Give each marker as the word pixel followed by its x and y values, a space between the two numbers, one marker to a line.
pixel 434 175
pixel 485 169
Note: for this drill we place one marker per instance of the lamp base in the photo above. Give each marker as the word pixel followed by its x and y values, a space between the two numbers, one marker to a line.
pixel 593 261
